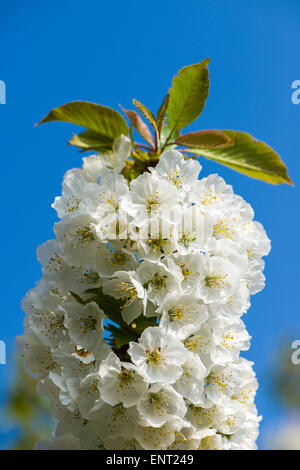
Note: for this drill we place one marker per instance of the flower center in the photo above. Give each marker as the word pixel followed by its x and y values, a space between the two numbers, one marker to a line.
pixel 185 269
pixel 111 199
pixel 217 281
pixel 158 281
pixel 207 443
pixel 210 198
pixel 119 258
pixel 196 343
pixel 152 203
pixel 186 239
pixel 160 401
pixel 220 381
pixel 154 357
pixel 126 377
pixel 180 313
pixel 230 340
pixel 118 412
pixel 84 235
pixel 55 263
pixel 222 230
pixel 88 324
pixel 176 179
pixel 91 277
pixel 72 204
pixel 128 293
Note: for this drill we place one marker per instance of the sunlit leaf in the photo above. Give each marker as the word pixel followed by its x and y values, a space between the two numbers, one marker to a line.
pixel 249 156
pixel 101 119
pixel 168 135
pixel 91 140
pixel 188 95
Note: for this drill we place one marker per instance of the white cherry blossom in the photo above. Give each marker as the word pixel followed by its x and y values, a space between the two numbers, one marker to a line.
pixel 120 382
pixel 134 332
pixel 159 404
pixel 182 315
pixel 158 356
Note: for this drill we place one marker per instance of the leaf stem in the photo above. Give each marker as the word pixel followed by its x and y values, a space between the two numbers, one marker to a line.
pixel 143 146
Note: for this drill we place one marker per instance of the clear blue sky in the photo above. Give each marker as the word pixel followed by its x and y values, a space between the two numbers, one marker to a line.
pixel 52 52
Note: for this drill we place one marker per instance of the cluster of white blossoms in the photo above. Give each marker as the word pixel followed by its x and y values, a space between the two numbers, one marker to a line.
pixel 134 331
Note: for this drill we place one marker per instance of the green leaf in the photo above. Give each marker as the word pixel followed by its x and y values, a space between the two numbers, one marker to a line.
pixel 162 113
pixel 188 95
pixel 146 113
pixel 249 156
pixel 139 124
pixel 143 322
pixel 205 139
pixel 98 118
pixel 168 135
pixel 112 307
pixel 91 140
pixel 121 337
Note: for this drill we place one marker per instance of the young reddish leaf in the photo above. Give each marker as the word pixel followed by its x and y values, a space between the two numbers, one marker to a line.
pixel 139 124
pixel 146 113
pixel 162 113
pixel 204 139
